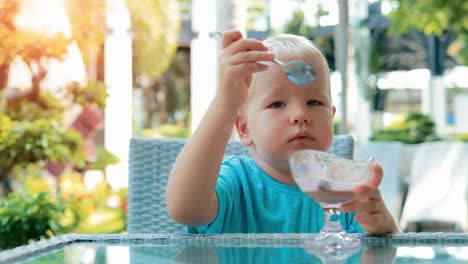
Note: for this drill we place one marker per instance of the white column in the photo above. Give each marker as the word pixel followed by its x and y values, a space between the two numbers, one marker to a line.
pixel 232 14
pixel 460 108
pixel 434 102
pixel 427 96
pixel 118 78
pixel 358 107
pixel 203 58
pixel 210 16
pixel 434 98
pixel 341 59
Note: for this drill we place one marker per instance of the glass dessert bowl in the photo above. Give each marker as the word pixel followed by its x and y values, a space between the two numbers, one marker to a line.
pixel 330 180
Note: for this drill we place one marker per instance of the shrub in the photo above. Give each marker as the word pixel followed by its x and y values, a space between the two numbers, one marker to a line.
pixel 47 106
pixel 29 142
pixel 103 159
pixel 168 130
pixel 28 217
pixel 462 137
pixel 416 128
pixel 175 131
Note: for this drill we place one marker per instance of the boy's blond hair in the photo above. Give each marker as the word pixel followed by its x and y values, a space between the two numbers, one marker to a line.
pixel 293 46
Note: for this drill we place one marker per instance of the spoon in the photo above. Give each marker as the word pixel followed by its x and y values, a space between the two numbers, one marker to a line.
pixel 298 72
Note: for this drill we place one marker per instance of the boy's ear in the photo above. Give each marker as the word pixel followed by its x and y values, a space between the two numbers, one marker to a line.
pixel 243 130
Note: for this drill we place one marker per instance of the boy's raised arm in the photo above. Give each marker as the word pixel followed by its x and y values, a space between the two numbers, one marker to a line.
pixel 190 194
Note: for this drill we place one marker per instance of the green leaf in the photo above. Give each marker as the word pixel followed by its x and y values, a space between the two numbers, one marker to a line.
pixel 432 16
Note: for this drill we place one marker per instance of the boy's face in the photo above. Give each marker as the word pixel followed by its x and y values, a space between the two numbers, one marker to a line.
pixel 281 117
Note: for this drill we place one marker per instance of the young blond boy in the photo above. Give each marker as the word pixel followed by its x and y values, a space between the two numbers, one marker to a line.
pixel 274 118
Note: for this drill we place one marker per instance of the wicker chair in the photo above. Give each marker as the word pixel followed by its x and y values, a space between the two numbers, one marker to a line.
pixel 150 163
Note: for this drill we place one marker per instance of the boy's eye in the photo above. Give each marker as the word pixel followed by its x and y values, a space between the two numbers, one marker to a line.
pixel 313 102
pixel 276 104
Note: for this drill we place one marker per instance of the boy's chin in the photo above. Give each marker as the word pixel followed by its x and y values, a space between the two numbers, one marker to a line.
pixel 314 145
pixel 302 147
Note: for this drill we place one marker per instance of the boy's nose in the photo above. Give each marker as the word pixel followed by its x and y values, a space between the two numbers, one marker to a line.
pixel 300 119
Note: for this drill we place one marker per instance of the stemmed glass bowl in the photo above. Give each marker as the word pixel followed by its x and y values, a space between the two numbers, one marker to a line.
pixel 330 180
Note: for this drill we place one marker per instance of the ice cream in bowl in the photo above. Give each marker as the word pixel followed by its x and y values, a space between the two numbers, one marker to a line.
pixel 331 181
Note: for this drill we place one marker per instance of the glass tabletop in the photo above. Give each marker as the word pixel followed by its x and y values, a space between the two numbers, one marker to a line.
pixel 238 248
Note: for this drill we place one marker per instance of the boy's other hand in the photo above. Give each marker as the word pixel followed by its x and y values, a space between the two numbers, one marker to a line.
pixel 239 59
pixel 370 208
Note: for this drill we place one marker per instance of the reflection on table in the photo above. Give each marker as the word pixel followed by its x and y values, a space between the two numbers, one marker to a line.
pixel 239 248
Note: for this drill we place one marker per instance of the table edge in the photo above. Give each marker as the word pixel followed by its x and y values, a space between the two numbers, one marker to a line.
pixel 242 240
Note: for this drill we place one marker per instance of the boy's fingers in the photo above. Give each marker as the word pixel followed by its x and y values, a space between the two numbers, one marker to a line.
pixel 245 45
pixel 368 191
pixel 377 175
pixel 360 206
pixel 250 68
pixel 368 219
pixel 230 37
pixel 252 56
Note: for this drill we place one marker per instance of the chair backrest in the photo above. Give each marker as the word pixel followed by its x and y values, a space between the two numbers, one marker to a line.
pixel 150 163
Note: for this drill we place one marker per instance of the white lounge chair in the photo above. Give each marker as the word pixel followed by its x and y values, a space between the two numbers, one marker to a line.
pixel 437 188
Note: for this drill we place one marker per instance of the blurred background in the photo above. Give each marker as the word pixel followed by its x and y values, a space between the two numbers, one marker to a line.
pixel 79 78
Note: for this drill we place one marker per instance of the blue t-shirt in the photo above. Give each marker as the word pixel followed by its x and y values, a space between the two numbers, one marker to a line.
pixel 250 201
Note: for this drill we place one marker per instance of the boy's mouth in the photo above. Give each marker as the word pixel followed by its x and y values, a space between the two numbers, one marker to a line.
pixel 301 136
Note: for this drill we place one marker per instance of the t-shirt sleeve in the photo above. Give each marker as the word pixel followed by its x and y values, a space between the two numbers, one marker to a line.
pixel 227 190
pixel 349 225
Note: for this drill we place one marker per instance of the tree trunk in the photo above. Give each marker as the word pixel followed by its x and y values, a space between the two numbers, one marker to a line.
pixel 36 82
pixel 161 98
pixel 4 74
pixel 34 93
pixel 5 188
pixel 148 92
